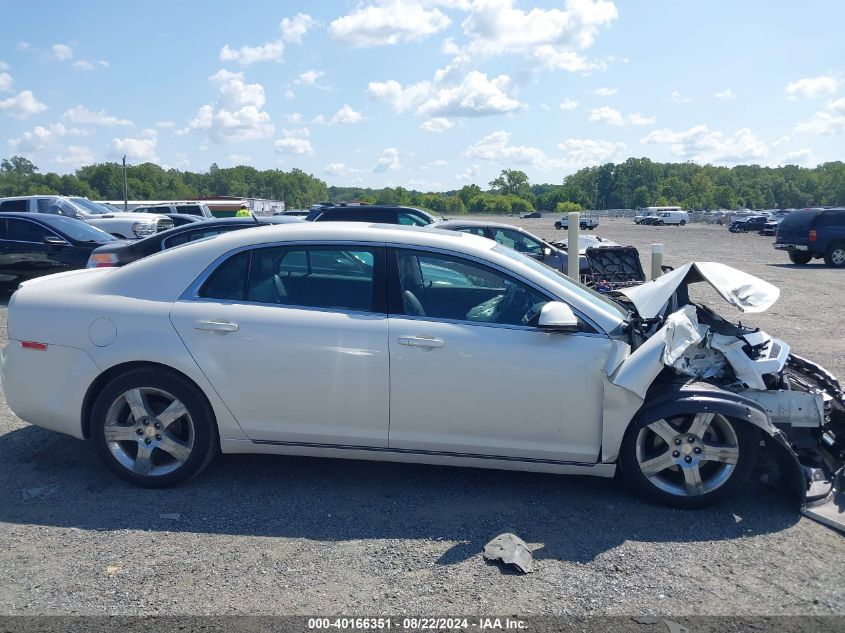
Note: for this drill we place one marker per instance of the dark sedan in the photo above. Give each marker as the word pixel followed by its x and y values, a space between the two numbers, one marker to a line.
pixel 120 254
pixel 36 244
pixel 752 223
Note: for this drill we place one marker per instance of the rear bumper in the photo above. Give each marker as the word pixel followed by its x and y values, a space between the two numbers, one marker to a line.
pixel 781 246
pixel 46 388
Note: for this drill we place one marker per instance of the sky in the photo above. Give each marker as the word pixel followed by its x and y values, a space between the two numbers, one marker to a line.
pixel 426 94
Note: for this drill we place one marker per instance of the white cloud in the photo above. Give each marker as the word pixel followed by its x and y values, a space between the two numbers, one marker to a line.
pixel 24 46
pixel 142 150
pixel 75 156
pixel 293 145
pixel 345 116
pixel 340 169
pixel 294 117
pixel 61 52
pixel 725 94
pixel 246 55
pixel 237 114
pixel 239 159
pixel 22 105
pixel 551 37
pixel 452 93
pixel 5 82
pixel 811 87
pixel 309 77
pixel 803 157
pixel 165 124
pixel 611 116
pixel 605 92
pixel 702 145
pixel 389 160
pixel 830 120
pixel 289 94
pixel 677 97
pixel 301 132
pixel 470 173
pixel 496 147
pixel 84 64
pixel 388 22
pixel 81 114
pixel 568 104
pixel 585 152
pixel 294 29
pixel 437 124
pixel 41 137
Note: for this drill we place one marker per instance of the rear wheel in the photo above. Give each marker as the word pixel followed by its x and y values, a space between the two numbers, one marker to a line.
pixel 688 461
pixel 153 428
pixel 835 256
pixel 683 222
pixel 800 257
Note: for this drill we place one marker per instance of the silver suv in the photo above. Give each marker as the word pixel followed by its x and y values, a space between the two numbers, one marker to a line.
pixel 185 208
pixel 119 224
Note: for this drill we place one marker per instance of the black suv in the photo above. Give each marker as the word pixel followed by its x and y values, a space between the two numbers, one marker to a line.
pixel 752 223
pixel 813 233
pixel 375 213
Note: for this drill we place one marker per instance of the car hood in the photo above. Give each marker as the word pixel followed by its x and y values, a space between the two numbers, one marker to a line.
pixel 743 291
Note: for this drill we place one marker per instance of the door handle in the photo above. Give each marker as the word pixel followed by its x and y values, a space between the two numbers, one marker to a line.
pixel 216 326
pixel 421 341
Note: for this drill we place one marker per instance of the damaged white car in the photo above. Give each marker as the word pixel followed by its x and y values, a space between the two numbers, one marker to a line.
pixel 416 345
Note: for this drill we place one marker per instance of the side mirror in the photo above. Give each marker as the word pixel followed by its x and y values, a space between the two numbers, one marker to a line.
pixel 557 317
pixel 546 251
pixel 53 240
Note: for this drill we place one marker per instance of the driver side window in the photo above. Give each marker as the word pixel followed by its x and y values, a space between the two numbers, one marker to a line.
pixel 444 287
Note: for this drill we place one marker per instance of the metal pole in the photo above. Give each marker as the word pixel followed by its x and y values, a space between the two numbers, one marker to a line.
pixel 125 195
pixel 572 249
pixel 656 260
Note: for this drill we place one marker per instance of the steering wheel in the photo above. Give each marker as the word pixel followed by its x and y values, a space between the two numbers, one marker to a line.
pixel 511 300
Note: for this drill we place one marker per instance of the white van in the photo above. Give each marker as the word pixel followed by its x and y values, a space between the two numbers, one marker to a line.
pixel 679 218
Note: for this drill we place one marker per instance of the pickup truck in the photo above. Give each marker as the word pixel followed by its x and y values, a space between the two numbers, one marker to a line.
pixel 586 222
pixel 122 225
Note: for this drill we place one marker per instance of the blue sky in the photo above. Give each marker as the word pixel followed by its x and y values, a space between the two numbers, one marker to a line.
pixel 428 94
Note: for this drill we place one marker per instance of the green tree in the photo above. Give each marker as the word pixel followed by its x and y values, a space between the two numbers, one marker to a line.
pixel 512 182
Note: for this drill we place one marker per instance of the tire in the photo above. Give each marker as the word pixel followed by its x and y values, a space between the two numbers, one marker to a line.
pixel 558 226
pixel 583 227
pixel 683 223
pixel 835 256
pixel 177 447
pixel 654 464
pixel 660 223
pixel 800 257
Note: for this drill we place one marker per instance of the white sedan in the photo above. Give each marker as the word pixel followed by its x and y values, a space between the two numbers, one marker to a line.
pixel 417 345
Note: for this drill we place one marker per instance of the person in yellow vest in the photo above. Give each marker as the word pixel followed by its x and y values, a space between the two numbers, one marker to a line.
pixel 243 212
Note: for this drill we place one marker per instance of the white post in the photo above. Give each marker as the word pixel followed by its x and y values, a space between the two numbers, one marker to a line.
pixel 656 260
pixel 572 249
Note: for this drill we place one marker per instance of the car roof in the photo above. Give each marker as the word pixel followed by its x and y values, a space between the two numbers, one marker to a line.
pixel 448 224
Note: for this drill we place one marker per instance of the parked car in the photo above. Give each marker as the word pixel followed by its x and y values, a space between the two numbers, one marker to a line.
pixel 771 226
pixel 184 208
pixel 677 218
pixel 751 223
pixel 331 340
pixel 644 216
pixel 813 233
pixel 297 213
pixel 180 219
pixel 122 225
pixel 122 253
pixel 519 240
pixel 532 216
pixel 36 244
pixel 586 222
pixel 379 214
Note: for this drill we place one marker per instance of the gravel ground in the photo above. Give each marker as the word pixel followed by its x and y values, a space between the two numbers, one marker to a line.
pixel 277 535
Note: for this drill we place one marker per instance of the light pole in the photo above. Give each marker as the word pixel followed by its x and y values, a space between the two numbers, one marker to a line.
pixel 125 195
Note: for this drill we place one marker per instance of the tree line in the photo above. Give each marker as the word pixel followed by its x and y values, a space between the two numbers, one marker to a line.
pixel 637 182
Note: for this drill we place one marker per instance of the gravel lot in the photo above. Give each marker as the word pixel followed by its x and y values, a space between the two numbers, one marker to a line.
pixel 277 535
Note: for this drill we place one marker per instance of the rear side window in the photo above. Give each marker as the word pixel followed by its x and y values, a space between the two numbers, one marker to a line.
pixel 409 218
pixel 16 206
pixel 831 218
pixel 228 282
pixel 25 231
pixel 190 209
pixel 474 230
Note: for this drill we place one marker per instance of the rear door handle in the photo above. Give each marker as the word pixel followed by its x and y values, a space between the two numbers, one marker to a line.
pixel 216 326
pixel 421 341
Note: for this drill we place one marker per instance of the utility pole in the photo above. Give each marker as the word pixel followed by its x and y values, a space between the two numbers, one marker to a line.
pixel 125 195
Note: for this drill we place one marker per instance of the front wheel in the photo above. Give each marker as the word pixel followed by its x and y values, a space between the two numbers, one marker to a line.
pixel 835 256
pixel 153 428
pixel 660 223
pixel 800 257
pixel 558 226
pixel 683 222
pixel 688 461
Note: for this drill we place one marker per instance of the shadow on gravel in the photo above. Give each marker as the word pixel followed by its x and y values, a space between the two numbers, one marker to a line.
pixel 52 480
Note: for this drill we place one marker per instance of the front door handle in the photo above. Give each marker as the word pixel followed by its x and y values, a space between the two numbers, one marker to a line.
pixel 421 341
pixel 223 327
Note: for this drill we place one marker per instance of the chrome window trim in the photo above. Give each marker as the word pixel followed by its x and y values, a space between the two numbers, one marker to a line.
pixel 191 293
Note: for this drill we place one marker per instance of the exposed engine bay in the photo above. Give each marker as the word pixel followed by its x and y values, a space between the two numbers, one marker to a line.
pixel 802 400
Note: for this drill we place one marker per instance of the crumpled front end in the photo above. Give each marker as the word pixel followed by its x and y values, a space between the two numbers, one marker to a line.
pixel 804 403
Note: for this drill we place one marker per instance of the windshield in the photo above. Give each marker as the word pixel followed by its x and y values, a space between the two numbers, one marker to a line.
pixel 600 301
pixel 90 207
pixel 80 231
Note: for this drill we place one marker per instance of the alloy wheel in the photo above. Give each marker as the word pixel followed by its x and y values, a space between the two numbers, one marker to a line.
pixel 688 456
pixel 149 432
